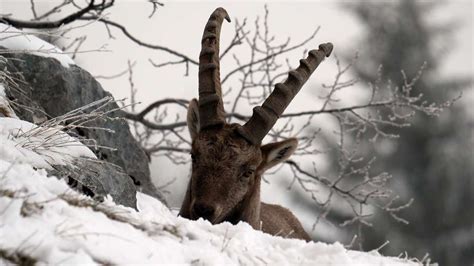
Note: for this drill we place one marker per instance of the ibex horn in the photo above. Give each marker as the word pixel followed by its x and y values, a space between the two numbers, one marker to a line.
pixel 265 116
pixel 211 107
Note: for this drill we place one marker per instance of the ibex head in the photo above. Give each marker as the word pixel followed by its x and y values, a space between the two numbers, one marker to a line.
pixel 228 159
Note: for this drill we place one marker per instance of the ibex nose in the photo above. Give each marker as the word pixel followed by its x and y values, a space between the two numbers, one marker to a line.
pixel 205 211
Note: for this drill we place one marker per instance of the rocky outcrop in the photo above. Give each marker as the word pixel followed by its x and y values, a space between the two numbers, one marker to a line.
pixel 45 89
pixel 98 179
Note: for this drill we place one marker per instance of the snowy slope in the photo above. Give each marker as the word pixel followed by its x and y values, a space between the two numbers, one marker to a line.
pixel 43 220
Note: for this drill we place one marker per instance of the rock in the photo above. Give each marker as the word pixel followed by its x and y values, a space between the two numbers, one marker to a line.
pixel 97 179
pixel 47 90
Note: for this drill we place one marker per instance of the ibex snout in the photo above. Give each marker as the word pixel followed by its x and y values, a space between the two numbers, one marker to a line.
pixel 205 211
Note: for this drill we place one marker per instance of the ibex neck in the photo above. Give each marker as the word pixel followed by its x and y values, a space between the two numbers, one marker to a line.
pixel 249 209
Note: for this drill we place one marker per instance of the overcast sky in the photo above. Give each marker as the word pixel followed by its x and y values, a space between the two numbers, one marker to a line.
pixel 179 26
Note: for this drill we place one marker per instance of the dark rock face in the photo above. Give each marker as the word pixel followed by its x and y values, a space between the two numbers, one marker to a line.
pixel 53 90
pixel 97 179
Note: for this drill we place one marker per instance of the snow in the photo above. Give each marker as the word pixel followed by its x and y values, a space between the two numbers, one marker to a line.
pixel 19 41
pixel 42 219
pixel 24 142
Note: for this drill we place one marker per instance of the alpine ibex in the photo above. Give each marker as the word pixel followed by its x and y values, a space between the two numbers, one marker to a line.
pixel 228 159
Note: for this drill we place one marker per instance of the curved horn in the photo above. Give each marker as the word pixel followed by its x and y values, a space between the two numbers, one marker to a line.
pixel 265 116
pixel 211 107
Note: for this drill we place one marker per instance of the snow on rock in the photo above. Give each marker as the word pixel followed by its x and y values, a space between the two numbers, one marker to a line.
pixel 22 141
pixel 43 221
pixel 19 41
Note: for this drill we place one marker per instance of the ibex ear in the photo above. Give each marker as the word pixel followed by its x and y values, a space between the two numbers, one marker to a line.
pixel 277 152
pixel 193 118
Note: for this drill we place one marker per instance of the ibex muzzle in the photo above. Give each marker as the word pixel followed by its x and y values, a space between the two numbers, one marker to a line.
pixel 228 160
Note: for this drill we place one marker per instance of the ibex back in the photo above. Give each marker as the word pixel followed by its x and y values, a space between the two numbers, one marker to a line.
pixel 228 160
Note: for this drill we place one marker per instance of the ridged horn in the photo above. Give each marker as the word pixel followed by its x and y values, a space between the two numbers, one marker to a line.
pixel 265 116
pixel 211 107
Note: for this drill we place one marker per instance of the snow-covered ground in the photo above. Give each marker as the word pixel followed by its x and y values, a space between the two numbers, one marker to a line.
pixel 42 220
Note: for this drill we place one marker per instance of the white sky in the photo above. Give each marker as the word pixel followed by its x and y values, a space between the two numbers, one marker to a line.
pixel 179 25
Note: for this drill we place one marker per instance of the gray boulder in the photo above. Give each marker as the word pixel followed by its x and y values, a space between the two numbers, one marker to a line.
pixel 46 89
pixel 98 179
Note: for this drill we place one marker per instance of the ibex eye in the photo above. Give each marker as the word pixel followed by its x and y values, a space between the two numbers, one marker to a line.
pixel 193 158
pixel 248 173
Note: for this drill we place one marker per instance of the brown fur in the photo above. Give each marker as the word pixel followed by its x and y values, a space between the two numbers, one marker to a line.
pixel 277 220
pixel 228 159
pixel 221 158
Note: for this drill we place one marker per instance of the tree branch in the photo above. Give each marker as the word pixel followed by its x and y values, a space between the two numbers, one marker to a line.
pixel 58 23
pixel 251 63
pixel 137 41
